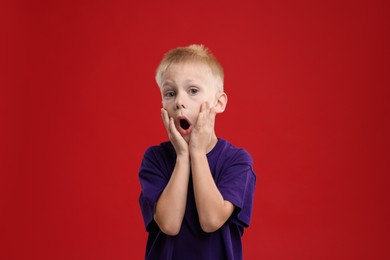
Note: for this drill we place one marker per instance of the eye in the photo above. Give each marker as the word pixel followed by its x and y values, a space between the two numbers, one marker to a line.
pixel 169 94
pixel 194 90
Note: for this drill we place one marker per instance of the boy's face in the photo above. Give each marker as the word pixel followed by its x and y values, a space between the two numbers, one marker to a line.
pixel 185 87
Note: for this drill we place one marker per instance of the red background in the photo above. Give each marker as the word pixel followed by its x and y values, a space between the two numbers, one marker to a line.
pixel 308 87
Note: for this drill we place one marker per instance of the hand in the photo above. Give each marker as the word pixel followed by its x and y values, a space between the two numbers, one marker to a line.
pixel 203 132
pixel 178 142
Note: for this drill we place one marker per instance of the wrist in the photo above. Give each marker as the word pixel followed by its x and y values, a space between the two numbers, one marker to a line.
pixel 197 153
pixel 183 156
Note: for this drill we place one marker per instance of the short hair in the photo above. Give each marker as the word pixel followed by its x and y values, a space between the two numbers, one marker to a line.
pixel 194 52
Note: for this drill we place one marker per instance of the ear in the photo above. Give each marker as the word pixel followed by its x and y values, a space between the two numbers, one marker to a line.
pixel 221 102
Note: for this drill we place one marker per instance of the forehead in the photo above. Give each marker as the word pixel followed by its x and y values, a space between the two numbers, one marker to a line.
pixel 189 71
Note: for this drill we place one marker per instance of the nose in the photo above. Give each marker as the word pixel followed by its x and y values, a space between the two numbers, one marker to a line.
pixel 179 102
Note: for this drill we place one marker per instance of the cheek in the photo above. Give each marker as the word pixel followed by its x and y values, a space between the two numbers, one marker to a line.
pixel 168 106
pixel 165 104
pixel 211 100
pixel 201 101
pixel 197 108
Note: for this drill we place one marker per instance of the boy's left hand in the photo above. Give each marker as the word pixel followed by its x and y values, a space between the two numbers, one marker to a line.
pixel 203 131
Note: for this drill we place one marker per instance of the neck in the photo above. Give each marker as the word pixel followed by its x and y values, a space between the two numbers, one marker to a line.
pixel 213 143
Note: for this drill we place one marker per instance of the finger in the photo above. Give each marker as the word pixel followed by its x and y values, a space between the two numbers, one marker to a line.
pixel 172 127
pixel 174 133
pixel 207 111
pixel 200 121
pixel 165 118
pixel 203 107
pixel 213 114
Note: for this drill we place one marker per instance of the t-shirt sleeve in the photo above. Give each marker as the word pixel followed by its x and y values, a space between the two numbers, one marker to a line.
pixel 153 182
pixel 237 185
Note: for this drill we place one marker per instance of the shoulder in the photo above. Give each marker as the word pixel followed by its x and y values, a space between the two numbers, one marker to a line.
pixel 158 150
pixel 234 154
pixel 159 154
pixel 158 160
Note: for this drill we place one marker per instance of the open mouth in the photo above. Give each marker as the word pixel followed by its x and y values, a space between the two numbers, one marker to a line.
pixel 184 124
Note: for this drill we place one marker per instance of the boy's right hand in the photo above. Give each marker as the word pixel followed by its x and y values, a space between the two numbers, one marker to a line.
pixel 178 142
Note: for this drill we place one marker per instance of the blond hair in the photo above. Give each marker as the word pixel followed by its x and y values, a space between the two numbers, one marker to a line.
pixel 194 52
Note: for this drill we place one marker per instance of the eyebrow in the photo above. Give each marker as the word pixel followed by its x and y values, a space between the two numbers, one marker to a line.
pixel 192 82
pixel 168 83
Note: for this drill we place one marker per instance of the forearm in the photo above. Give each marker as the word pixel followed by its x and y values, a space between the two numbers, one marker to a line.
pixel 213 210
pixel 170 207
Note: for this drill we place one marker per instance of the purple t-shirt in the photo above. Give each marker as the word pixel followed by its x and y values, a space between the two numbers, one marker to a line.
pixel 233 174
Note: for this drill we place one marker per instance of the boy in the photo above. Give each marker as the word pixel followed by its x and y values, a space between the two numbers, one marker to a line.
pixel 197 189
